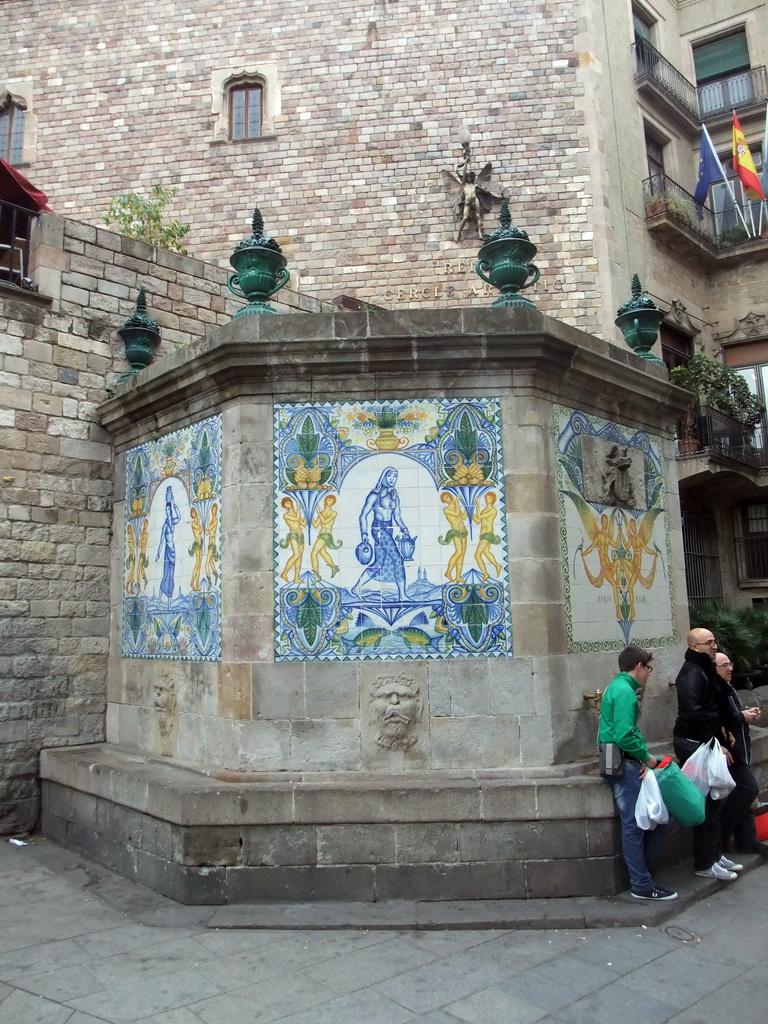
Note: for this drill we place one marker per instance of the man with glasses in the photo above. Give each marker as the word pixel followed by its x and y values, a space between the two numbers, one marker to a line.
pixel 619 712
pixel 702 713
pixel 736 817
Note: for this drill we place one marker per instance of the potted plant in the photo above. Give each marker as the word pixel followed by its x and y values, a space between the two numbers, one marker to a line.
pixel 712 383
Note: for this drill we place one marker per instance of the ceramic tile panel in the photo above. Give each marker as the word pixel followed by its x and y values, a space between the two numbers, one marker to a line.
pixel 172 602
pixel 390 537
pixel 615 547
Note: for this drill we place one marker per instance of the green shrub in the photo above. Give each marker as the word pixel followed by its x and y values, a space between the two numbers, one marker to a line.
pixel 141 217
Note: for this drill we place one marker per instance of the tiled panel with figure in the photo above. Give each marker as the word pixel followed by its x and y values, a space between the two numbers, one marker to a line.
pixel 614 535
pixel 172 600
pixel 390 534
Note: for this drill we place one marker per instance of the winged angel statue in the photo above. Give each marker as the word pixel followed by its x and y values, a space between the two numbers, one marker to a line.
pixel 473 197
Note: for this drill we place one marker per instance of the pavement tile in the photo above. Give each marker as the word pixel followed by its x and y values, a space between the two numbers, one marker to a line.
pixel 127 1003
pixel 292 952
pixel 61 985
pixel 523 949
pixel 24 1008
pixel 443 981
pixel 622 950
pixel 680 978
pixel 86 1018
pixel 363 967
pixel 182 1015
pixel 741 1001
pixel 128 937
pixel 45 956
pixel 264 1002
pixel 614 1003
pixel 556 983
pixel 439 1017
pixel 442 943
pixel 229 943
pixel 5 990
pixel 495 1006
pixel 138 964
pixel 368 1006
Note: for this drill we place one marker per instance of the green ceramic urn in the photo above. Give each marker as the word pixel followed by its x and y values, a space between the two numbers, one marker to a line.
pixel 260 270
pixel 504 261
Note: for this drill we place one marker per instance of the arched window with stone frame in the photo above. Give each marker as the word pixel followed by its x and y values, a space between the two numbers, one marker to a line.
pixel 245 102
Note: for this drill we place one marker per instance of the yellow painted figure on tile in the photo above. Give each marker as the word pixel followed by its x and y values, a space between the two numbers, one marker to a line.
pixel 131 543
pixel 197 547
pixel 295 521
pixel 485 519
pixel 636 542
pixel 143 558
pixel 457 520
pixel 211 559
pixel 323 521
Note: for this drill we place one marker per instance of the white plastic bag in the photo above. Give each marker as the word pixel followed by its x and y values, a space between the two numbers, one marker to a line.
pixel 696 768
pixel 650 809
pixel 721 781
pixel 707 768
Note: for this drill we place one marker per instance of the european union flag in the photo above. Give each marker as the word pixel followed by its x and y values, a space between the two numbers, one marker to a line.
pixel 710 170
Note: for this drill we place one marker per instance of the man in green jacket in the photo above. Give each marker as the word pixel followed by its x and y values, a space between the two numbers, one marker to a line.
pixel 619 712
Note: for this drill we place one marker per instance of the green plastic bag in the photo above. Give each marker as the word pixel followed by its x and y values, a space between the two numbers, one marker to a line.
pixel 683 800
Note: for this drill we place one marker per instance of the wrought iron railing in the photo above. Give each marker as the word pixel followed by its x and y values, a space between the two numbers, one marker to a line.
pixel 649 63
pixel 752 558
pixel 663 195
pixel 709 430
pixel 15 234
pixel 734 91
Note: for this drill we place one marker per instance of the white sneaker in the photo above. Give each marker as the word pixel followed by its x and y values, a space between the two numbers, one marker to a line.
pixel 717 871
pixel 729 864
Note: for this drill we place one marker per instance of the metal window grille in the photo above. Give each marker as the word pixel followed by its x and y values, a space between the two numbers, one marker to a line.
pixel 702 558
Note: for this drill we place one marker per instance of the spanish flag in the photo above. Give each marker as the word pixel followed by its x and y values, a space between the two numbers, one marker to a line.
pixel 743 163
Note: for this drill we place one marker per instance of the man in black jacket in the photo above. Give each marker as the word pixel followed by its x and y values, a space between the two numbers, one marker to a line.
pixel 736 818
pixel 702 711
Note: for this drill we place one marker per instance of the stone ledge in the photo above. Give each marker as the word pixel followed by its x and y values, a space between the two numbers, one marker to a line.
pixel 182 796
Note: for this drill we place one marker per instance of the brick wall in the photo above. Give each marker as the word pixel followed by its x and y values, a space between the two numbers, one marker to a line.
pixel 372 97
pixel 59 354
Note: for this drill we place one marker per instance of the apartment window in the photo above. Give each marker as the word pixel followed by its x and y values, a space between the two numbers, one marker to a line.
pixel 245 102
pixel 676 346
pixel 751 530
pixel 722 73
pixel 654 153
pixel 245 111
pixel 12 133
pixel 701 550
pixel 727 220
pixel 643 26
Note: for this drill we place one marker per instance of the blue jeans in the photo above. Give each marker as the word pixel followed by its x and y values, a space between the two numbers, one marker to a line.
pixel 640 849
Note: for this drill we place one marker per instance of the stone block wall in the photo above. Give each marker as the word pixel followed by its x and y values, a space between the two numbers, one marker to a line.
pixel 59 355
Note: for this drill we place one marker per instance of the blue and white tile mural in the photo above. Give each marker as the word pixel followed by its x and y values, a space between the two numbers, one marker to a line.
pixel 390 528
pixel 172 602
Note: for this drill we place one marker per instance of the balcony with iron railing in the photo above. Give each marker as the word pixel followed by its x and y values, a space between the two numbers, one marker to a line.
pixel 687 102
pixel 656 76
pixel 709 431
pixel 695 229
pixel 15 235
pixel 732 92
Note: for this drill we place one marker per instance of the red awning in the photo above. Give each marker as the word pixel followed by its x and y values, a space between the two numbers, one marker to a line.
pixel 14 188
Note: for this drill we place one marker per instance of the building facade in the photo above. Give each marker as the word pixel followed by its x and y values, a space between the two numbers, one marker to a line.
pixel 344 124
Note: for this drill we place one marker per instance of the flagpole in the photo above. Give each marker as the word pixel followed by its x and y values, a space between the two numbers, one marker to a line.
pixel 725 179
pixel 764 172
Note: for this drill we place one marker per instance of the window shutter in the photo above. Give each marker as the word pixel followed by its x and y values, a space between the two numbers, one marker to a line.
pixel 721 57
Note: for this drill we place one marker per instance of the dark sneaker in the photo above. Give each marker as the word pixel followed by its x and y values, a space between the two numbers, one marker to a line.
pixel 655 894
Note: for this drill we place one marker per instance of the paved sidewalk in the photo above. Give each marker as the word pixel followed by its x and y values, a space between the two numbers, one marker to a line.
pixel 81 946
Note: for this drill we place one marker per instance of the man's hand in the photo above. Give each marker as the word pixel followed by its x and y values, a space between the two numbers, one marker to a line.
pixel 728 757
pixel 751 714
pixel 650 763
